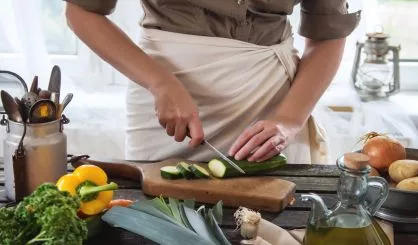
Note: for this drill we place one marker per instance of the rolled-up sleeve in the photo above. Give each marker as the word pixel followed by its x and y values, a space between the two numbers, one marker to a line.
pixel 103 7
pixel 327 19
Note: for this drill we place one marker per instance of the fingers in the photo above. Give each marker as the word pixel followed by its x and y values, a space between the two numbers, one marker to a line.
pixel 252 144
pixel 195 131
pixel 181 126
pixel 180 131
pixel 271 154
pixel 170 129
pixel 273 145
pixel 244 138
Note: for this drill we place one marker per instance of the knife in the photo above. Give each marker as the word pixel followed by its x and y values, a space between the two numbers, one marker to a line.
pixel 223 156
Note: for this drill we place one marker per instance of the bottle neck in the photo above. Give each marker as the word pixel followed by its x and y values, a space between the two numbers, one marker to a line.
pixel 352 188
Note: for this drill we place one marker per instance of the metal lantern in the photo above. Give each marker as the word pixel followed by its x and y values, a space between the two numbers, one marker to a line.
pixel 376 78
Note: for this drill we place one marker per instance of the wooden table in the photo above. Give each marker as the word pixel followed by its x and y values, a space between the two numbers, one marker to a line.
pixel 320 179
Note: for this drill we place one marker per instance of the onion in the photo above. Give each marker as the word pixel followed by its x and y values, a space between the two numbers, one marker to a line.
pixel 382 150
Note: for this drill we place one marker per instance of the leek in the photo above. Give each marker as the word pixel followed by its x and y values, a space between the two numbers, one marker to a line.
pixel 160 204
pixel 150 227
pixel 180 221
pixel 173 205
pixel 145 207
pixel 220 236
pixel 217 212
pixel 199 225
pixel 189 203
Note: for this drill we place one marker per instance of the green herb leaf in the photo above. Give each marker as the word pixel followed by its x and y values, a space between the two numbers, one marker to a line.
pixel 150 227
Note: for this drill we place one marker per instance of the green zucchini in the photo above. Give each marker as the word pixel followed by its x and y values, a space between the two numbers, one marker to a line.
pixel 221 169
pixel 170 172
pixel 199 172
pixel 185 170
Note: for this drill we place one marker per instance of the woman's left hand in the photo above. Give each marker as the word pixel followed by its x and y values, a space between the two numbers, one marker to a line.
pixel 263 140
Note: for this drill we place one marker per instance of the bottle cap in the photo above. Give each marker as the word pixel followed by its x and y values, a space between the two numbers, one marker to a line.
pixel 356 161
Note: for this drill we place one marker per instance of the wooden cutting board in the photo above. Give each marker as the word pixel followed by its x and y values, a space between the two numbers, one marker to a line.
pixel 259 193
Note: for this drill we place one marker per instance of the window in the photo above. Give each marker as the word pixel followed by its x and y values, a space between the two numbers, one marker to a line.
pixel 399 18
pixel 59 39
pixel 56 38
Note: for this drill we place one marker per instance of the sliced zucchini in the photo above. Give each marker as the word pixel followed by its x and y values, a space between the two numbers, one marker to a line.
pixel 185 170
pixel 170 172
pixel 221 169
pixel 199 172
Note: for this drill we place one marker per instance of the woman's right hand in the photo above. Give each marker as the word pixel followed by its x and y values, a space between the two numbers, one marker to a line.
pixel 174 106
pixel 177 112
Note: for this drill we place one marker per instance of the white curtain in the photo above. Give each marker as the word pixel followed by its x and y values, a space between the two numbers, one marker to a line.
pixel 97 111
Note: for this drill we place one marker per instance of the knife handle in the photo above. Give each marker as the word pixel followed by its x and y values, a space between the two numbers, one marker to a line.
pixel 114 168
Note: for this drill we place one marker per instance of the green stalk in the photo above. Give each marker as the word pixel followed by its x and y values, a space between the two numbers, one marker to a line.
pixel 87 191
pixel 38 238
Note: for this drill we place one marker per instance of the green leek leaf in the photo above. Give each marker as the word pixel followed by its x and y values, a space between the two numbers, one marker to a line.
pixel 173 205
pixel 217 212
pixel 220 236
pixel 199 225
pixel 147 207
pixel 160 204
pixel 184 217
pixel 150 227
pixel 189 203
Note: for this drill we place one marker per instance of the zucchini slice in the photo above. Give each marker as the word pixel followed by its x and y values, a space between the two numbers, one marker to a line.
pixel 185 170
pixel 199 172
pixel 170 172
pixel 221 169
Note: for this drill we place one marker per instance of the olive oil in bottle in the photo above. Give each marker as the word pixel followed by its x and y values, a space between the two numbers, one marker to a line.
pixel 346 236
pixel 350 221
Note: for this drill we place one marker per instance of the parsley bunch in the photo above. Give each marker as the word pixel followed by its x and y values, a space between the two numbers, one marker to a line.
pixel 48 216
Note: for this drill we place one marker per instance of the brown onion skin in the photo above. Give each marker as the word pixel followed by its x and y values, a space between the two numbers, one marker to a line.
pixel 374 172
pixel 383 151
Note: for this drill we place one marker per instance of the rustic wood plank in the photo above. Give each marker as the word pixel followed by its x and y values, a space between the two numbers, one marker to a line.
pixel 120 236
pixel 126 183
pixel 314 184
pixel 306 170
pixel 406 239
pixel 303 184
pixel 111 235
pixel 136 195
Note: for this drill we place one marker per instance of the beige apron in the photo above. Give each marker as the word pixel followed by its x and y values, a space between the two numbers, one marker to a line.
pixel 234 84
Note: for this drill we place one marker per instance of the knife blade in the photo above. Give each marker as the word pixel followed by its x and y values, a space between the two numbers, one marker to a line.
pixel 234 165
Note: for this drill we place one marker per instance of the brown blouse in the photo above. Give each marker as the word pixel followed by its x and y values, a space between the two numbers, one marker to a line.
pixel 256 21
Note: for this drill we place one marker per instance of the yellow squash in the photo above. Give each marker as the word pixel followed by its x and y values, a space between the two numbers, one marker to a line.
pixel 89 182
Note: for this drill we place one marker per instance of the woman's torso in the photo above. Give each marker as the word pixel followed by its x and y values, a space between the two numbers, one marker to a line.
pixel 260 22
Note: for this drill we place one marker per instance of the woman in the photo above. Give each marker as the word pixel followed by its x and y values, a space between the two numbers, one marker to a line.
pixel 223 70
